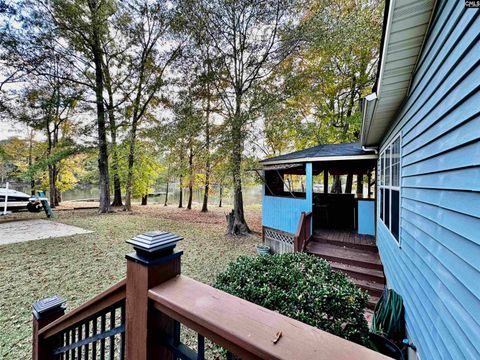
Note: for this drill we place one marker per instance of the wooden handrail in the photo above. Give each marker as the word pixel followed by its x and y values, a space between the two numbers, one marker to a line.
pixel 304 232
pixel 107 298
pixel 246 329
pixel 140 317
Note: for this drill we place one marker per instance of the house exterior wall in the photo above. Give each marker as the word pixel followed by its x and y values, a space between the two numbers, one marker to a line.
pixel 435 266
pixel 283 213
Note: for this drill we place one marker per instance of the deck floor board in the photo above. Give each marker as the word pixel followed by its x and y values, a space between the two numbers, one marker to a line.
pixel 347 236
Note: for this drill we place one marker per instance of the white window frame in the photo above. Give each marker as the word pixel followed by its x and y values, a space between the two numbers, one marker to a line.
pixel 390 187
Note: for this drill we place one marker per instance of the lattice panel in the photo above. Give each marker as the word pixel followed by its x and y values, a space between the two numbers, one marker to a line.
pixel 271 234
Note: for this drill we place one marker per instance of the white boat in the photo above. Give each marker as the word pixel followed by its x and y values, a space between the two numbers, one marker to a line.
pixel 17 201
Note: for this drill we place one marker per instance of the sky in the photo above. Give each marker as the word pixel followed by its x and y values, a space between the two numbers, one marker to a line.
pixel 8 129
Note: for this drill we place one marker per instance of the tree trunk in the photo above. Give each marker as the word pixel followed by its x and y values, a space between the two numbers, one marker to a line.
pixel 166 196
pixel 180 201
pixel 144 199
pixel 51 186
pixel 349 183
pixel 190 179
pixel 207 148
pixel 133 137
pixel 104 181
pixel 337 185
pixel 236 224
pixel 205 191
pixel 51 173
pixel 30 162
pixel 190 196
pixel 131 162
pixel 117 188
pixel 220 195
pixel 58 196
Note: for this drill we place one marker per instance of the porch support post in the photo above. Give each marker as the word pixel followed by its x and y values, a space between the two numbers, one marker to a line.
pixel 309 189
pixel 153 262
pixel 325 181
pixel 359 185
pixel 369 184
pixel 45 311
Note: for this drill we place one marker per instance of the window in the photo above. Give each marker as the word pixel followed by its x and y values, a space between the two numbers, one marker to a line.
pixel 389 189
pixel 286 181
pixel 294 183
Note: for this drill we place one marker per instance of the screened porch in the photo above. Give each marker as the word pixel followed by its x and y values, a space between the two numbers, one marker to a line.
pixel 337 186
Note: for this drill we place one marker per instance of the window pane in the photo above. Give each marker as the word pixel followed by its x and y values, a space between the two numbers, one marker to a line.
pixel 386 219
pixel 396 163
pixel 395 213
pixel 294 183
pixel 387 167
pixel 396 174
pixel 382 169
pixel 381 202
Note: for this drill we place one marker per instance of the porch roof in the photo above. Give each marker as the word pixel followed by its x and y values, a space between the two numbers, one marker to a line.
pixel 324 152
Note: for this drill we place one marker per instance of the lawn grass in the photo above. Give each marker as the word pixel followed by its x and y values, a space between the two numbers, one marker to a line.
pixel 81 266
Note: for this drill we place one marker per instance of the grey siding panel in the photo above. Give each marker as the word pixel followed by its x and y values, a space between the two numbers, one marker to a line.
pixel 436 266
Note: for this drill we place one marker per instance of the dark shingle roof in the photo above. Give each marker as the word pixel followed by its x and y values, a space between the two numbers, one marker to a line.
pixel 325 150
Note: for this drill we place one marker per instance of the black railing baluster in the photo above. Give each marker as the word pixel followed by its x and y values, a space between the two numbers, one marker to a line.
pixel 80 341
pixel 66 342
pixel 72 337
pixel 72 340
pixel 122 335
pixel 79 349
pixel 87 334
pixel 201 347
pixel 112 338
pixel 94 344
pixel 102 342
pixel 176 336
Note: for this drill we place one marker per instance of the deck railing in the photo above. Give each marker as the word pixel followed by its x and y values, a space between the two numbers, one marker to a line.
pixel 139 319
pixel 304 232
pixel 94 330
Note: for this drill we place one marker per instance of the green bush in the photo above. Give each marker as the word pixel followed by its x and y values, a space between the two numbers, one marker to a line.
pixel 302 287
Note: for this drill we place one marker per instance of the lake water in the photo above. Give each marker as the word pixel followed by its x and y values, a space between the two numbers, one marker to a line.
pixel 252 195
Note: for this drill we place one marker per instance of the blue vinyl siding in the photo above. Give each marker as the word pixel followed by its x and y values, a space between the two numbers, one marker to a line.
pixel 436 268
pixel 283 213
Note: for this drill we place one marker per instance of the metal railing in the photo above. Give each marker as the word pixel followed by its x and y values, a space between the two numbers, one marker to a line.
pixel 95 330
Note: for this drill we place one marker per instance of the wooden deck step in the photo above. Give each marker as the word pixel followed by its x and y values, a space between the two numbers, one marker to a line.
pixel 360 273
pixel 372 301
pixel 345 255
pixel 350 245
pixel 372 288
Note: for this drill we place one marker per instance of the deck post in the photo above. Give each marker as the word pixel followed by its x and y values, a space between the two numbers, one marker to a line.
pixel 369 184
pixel 45 311
pixel 153 262
pixel 325 181
pixel 360 185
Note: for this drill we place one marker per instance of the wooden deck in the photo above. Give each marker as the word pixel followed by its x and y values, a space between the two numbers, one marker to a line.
pixel 344 236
